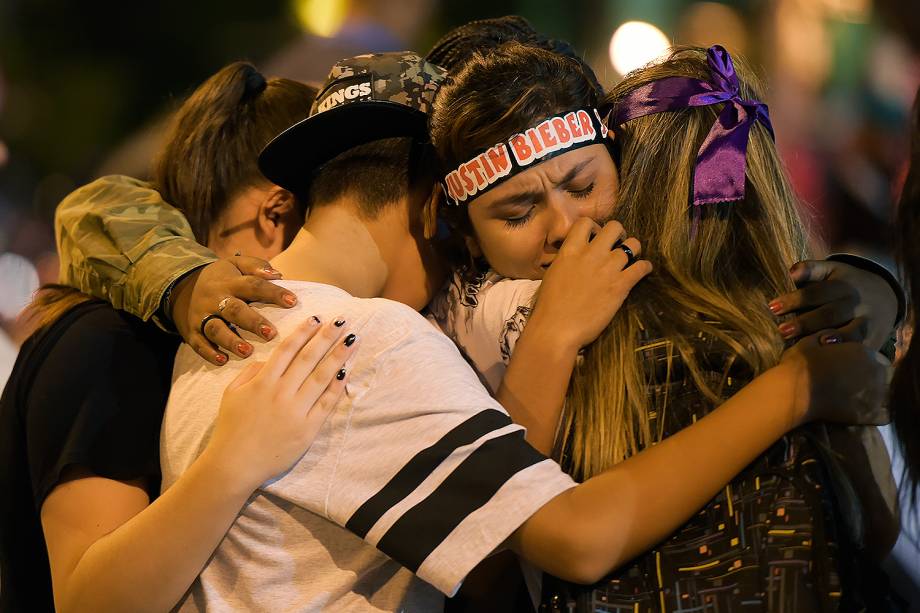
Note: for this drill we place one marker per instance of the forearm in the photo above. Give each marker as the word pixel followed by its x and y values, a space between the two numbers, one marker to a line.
pixel 119 241
pixel 591 530
pixel 149 562
pixel 535 383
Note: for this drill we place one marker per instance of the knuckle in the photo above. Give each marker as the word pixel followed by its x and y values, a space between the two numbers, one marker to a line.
pixel 233 308
pixel 253 283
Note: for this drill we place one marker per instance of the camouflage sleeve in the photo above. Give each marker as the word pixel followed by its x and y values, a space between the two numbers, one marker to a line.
pixel 119 241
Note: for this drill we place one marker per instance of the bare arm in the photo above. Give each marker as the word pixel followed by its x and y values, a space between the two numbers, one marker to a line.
pixel 534 387
pixel 588 531
pixel 110 551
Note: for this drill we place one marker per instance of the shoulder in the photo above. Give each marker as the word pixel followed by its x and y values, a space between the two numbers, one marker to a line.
pixel 92 347
pixel 486 300
pixel 107 186
pixel 101 330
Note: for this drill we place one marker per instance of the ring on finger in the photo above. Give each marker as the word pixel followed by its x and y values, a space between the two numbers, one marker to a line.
pixel 206 319
pixel 223 304
pixel 630 256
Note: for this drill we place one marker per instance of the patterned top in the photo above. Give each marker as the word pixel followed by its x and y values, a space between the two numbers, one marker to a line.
pixel 767 542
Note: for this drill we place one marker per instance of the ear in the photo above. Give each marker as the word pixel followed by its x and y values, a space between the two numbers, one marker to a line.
pixel 278 204
pixel 430 211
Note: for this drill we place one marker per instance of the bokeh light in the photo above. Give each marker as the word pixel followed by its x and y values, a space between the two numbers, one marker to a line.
pixel 636 43
pixel 20 280
pixel 708 23
pixel 853 11
pixel 321 17
pixel 803 47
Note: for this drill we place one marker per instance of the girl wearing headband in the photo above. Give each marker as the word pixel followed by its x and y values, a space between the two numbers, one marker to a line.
pixel 789 532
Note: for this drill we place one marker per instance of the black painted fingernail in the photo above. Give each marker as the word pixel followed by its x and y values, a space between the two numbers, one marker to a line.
pixel 316 320
pixel 830 339
pixel 340 375
pixel 338 323
pixel 350 339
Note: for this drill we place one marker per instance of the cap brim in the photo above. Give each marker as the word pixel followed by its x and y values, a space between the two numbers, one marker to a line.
pixel 290 159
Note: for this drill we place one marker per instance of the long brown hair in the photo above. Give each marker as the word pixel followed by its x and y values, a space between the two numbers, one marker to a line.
pixel 721 275
pixel 905 386
pixel 48 304
pixel 213 143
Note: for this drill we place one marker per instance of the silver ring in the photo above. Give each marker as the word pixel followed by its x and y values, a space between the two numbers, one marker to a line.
pixel 223 304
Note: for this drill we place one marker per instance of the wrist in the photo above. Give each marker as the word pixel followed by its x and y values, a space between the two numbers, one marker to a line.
pixel 548 332
pixel 788 384
pixel 223 468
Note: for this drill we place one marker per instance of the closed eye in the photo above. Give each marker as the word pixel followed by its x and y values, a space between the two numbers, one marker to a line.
pixel 520 220
pixel 582 193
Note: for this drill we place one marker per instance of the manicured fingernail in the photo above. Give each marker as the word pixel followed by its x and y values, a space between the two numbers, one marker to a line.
pixel 290 299
pixel 271 271
pixel 340 375
pixel 243 348
pixel 338 323
pixel 266 331
pixel 830 339
pixel 776 306
pixel 351 338
pixel 787 329
pixel 220 358
pixel 316 320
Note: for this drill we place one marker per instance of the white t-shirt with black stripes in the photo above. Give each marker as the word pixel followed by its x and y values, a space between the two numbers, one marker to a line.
pixel 415 478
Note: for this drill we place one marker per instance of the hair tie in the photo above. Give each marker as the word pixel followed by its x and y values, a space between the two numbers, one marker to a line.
pixel 722 158
pixel 255 85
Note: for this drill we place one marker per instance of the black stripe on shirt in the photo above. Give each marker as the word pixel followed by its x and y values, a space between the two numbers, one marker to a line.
pixel 419 467
pixel 471 485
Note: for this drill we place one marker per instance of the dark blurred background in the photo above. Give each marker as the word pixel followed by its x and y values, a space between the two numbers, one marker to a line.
pixel 85 88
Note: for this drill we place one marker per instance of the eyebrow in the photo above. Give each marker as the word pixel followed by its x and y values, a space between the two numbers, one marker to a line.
pixel 517 198
pixel 573 172
pixel 530 195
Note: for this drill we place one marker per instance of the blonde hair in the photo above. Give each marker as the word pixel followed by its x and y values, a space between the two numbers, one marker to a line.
pixel 721 275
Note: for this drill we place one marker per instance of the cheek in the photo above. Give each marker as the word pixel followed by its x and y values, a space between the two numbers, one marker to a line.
pixel 514 252
pixel 604 210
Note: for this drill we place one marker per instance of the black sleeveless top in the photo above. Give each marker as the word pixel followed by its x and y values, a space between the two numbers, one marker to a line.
pixel 87 391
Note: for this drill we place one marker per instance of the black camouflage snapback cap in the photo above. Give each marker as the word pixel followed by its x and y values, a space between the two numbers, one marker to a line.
pixel 365 98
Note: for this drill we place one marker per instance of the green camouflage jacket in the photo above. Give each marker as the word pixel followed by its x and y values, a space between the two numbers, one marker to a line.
pixel 119 241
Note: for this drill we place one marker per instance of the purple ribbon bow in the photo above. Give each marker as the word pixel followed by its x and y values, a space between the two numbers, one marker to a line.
pixel 722 159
